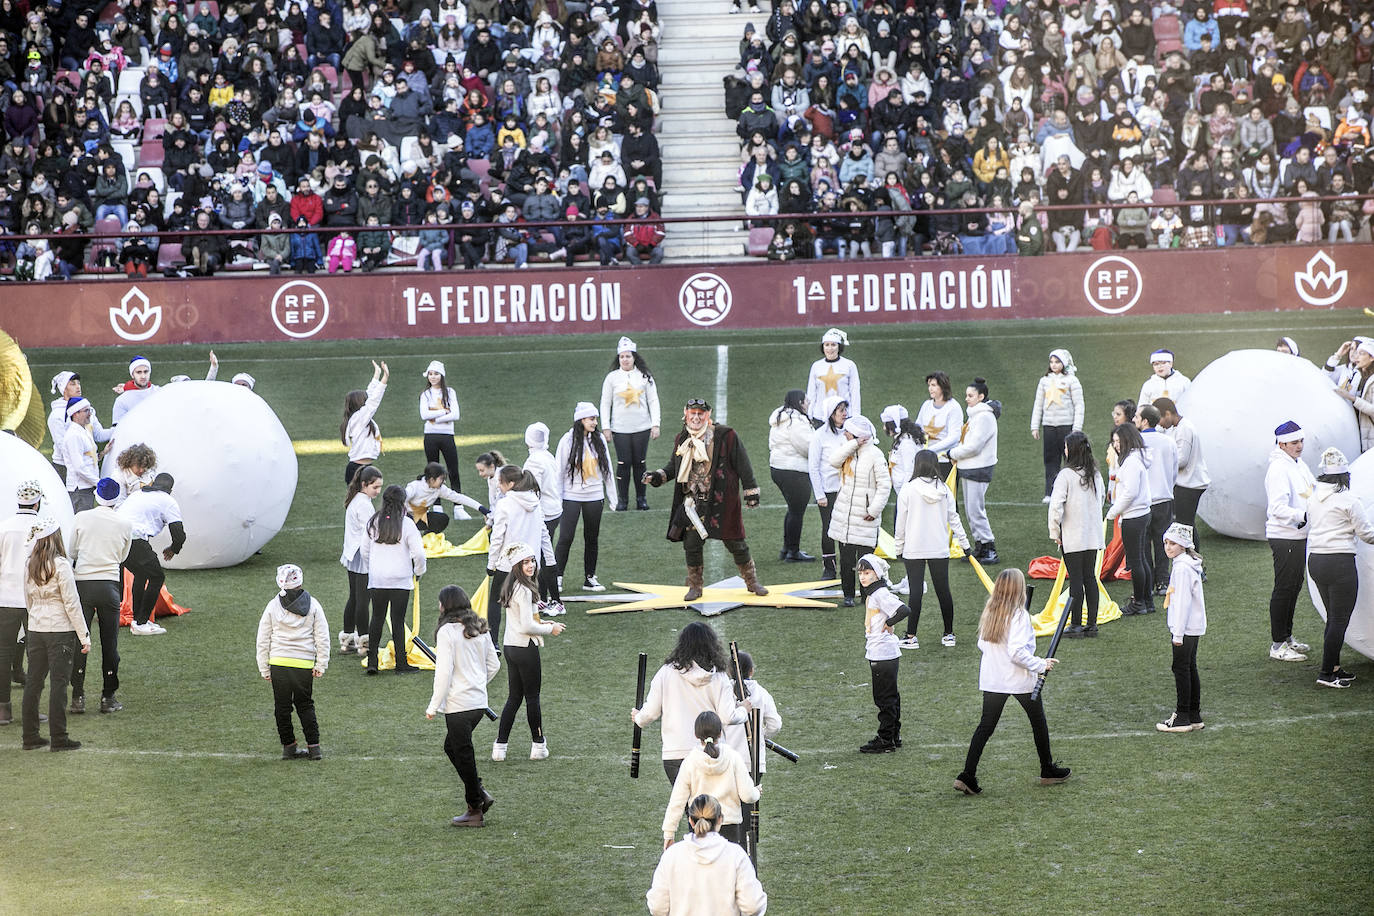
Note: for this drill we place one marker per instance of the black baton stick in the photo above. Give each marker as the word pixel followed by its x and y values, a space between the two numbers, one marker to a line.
pixel 1054 647
pixel 420 644
pixel 639 701
pixel 752 730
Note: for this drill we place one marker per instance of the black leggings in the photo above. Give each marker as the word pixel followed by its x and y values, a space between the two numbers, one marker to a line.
pixel 1290 559
pixel 1078 571
pixel 992 712
pixel 99 597
pixel 352 468
pixel 631 450
pixel 1338 584
pixel 1052 442
pixel 1135 538
pixel 523 677
pixel 294 688
pixel 434 521
pixel 827 543
pixel 548 575
pixel 458 747
pixel 355 612
pixel 498 582
pixel 437 444
pixel 939 577
pixel 394 601
pixel 796 491
pixel 143 565
pixel 590 513
pixel 1186 683
pixel 849 558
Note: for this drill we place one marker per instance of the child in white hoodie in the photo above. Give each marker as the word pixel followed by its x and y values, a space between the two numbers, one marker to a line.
pixel 926 519
pixel 714 769
pixel 882 611
pixel 1335 518
pixel 541 464
pixel 705 875
pixel 293 650
pixel 1187 619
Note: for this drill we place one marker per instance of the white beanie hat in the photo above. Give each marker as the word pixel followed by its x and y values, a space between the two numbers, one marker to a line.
pixel 244 379
pixel 1180 534
pixel 1162 356
pixel 28 492
pixel 60 380
pixel 434 366
pixel 517 553
pixel 1366 346
pixel 894 414
pixel 537 435
pixel 584 409
pixel 875 563
pixel 835 335
pixel 626 345
pixel 859 427
pixel 139 362
pixel 289 575
pixel 1065 357
pixel 43 526
pixel 1333 462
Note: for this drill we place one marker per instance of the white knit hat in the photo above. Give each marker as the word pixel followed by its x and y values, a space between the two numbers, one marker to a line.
pixel 1366 346
pixel 43 526
pixel 60 380
pixel 537 435
pixel 626 345
pixel 289 575
pixel 584 409
pixel 835 335
pixel 875 563
pixel 1180 534
pixel 28 492
pixel 1065 357
pixel 859 427
pixel 139 362
pixel 517 553
pixel 894 414
pixel 244 379
pixel 1333 462
pixel 434 366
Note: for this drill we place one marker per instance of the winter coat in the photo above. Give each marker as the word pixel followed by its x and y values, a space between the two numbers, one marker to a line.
pixel 305 246
pixel 285 637
pixel 1364 414
pixel 977 449
pixel 789 440
pixel 1058 402
pixel 706 876
pixel 679 695
pixel 926 517
pixel 1075 514
pixel 864 487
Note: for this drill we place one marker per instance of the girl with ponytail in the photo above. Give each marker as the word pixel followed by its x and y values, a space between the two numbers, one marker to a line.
pixel 715 769
pixel 704 873
pixel 516 519
pixel 395 558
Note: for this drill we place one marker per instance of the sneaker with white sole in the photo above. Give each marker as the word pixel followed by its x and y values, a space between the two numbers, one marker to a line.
pixel 909 642
pixel 947 640
pixel 554 609
pixel 460 513
pixel 1286 653
pixel 1173 724
pixel 1297 646
pixel 904 586
pixel 345 642
pixel 145 629
pixel 498 751
pixel 1332 680
pixel 539 751
pixel 591 585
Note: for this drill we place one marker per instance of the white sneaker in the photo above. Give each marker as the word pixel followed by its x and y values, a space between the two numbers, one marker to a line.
pixel 345 640
pixel 554 609
pixel 1045 501
pixel 1172 724
pixel 909 642
pixel 498 751
pixel 1286 653
pixel 539 751
pixel 460 513
pixel 904 587
pixel 591 585
pixel 947 640
pixel 158 629
pixel 1298 646
pixel 145 629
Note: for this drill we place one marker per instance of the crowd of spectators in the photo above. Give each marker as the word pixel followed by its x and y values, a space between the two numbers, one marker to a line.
pixel 122 121
pixel 923 108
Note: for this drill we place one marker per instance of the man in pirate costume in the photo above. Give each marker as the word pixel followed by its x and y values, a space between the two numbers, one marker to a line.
pixel 708 467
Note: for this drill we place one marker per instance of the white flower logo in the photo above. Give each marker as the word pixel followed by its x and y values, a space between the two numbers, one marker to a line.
pixel 1321 283
pixel 135 312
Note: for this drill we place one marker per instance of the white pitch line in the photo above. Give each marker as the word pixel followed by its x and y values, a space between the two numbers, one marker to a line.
pixel 1214 726
pixel 722 382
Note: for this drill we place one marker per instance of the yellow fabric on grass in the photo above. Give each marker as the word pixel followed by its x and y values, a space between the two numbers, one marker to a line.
pixel 386 655
pixel 479 600
pixel 436 545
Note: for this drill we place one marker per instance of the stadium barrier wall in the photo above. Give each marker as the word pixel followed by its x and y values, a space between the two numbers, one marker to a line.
pixel 730 296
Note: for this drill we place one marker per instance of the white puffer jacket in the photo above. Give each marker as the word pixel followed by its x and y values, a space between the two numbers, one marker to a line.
pixel 978 448
pixel 864 488
pixel 789 440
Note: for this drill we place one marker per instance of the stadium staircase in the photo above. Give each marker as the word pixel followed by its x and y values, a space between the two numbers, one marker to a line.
pixel 700 150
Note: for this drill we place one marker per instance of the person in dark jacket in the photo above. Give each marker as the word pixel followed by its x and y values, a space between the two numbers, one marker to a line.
pixel 204 252
pixel 341 203
pixel 306 253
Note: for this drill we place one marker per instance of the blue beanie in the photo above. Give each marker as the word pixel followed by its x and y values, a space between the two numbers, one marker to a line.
pixel 106 491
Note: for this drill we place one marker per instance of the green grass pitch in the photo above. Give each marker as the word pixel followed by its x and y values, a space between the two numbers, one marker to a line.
pixel 179 803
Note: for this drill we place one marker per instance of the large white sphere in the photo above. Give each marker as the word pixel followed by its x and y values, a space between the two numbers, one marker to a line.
pixel 1236 403
pixel 20 461
pixel 233 462
pixel 1360 634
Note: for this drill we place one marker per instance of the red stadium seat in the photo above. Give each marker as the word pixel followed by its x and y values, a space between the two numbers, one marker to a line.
pixel 150 153
pixel 759 237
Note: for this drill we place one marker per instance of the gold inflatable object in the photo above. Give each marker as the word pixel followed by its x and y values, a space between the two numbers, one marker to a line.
pixel 21 403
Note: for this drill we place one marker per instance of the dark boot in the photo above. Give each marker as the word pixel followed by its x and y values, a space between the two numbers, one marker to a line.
pixel 472 819
pixel 6 713
pixel 622 493
pixel 292 752
pixel 800 556
pixel 751 578
pixel 314 752
pixel 967 783
pixel 487 800
pixel 694 583
pixel 989 553
pixel 828 566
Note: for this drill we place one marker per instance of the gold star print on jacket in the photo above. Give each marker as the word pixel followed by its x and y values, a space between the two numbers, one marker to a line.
pixel 831 379
pixel 933 431
pixel 1055 393
pixel 632 395
pixel 590 469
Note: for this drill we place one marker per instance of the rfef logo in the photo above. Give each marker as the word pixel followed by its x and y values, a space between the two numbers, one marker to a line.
pixel 1112 285
pixel 705 299
pixel 300 309
pixel 135 319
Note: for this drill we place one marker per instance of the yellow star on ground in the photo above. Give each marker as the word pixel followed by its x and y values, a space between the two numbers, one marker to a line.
pixel 631 395
pixel 1054 395
pixel 831 378
pixel 667 596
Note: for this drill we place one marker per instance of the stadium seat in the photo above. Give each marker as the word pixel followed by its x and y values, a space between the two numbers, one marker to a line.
pixel 169 255
pixel 1168 28
pixel 480 167
pixel 154 128
pixel 130 80
pixel 150 153
pixel 331 76
pixel 759 237
pixel 1165 197
pixel 126 149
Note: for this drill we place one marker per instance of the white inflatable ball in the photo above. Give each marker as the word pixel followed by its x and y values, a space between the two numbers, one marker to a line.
pixel 1360 634
pixel 234 467
pixel 1236 403
pixel 20 461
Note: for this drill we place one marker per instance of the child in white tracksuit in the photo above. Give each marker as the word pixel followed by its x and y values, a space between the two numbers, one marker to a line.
pixel 1187 619
pixel 713 768
pixel 293 650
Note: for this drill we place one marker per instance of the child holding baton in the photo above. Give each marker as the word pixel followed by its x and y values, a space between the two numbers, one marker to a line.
pixel 712 769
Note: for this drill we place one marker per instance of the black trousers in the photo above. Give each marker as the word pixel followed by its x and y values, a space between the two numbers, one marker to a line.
pixel 631 451
pixel 993 704
pixel 355 612
pixel 590 513
pixel 433 522
pixel 827 543
pixel 1338 585
pixel 350 469
pixel 437 444
pixel 1135 539
pixel 671 767
pixel 11 657
pixel 1185 509
pixel 292 688
pixel 1078 570
pixel 849 558
pixel 458 747
pixel 1186 683
pixel 523 680
pixel 494 609
pixel 796 492
pixel 143 564
pixel 1290 561
pixel 1052 448
pixel 887 699
pixel 939 577
pixel 50 656
pixel 100 599
pixel 388 602
pixel 1161 517
pixel 548 575
pixel 694 549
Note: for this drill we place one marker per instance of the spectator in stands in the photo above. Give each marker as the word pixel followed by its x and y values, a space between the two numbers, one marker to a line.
pixel 512 241
pixel 274 245
pixel 306 254
pixel 574 238
pixel 606 236
pixel 374 243
pixel 204 252
pixel 644 237
pixel 343 252
pixel 1065 186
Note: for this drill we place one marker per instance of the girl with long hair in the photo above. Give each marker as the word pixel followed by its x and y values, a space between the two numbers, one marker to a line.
pixel 439 410
pixel 1059 407
pixel 1360 393
pixel 1075 519
pixel 524 634
pixel 976 457
pixel 926 518
pixel 423 495
pixel 584 472
pixel 358 431
pixel 54 627
pixel 1187 620
pixel 705 870
pixel 517 519
pixel 693 679
pixel 629 403
pixel 395 558
pixel 358 510
pixel 1131 504
pixel 543 468
pixel 713 768
pixel 488 464
pixel 1009 669
pixel 825 478
pixel 464 664
pixel 789 447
